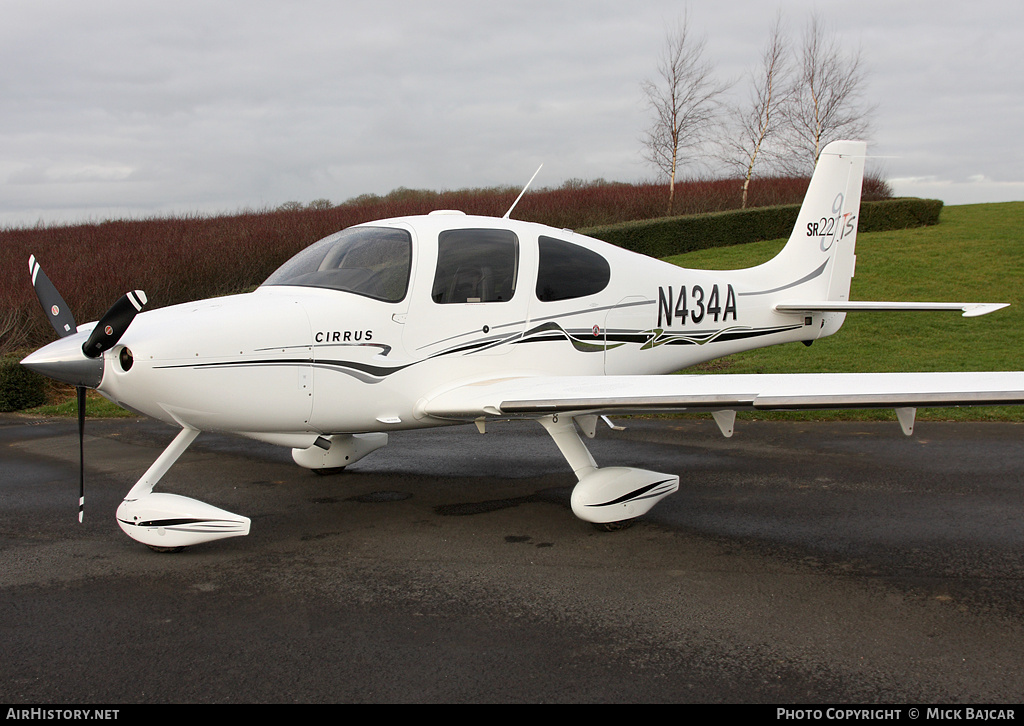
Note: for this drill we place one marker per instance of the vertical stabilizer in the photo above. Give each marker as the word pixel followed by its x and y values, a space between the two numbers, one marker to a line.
pixel 818 260
pixel 826 228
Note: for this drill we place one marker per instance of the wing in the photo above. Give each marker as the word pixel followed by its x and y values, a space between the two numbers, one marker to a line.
pixel 545 395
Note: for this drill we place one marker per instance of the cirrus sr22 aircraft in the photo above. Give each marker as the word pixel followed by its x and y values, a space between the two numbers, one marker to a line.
pixel 450 319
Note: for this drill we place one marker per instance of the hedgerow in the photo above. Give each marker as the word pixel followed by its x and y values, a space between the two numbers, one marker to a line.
pixel 676 235
pixel 20 388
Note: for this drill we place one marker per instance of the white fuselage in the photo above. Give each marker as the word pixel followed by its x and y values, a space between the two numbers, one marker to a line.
pixel 292 362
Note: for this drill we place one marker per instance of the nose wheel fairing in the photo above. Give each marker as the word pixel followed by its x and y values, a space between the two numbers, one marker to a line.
pixel 169 521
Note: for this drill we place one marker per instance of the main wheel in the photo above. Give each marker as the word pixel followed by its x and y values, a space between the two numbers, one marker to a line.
pixel 329 471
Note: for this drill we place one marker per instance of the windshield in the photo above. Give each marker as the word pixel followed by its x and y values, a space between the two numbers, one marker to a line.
pixel 370 261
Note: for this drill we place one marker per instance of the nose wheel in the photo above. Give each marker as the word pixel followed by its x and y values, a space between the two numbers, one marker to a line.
pixel 613 526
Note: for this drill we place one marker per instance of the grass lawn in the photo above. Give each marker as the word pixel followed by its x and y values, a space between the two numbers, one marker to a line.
pixel 96 406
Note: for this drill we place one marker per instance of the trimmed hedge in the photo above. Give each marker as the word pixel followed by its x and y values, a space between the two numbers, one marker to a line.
pixel 902 213
pixel 676 235
pixel 20 388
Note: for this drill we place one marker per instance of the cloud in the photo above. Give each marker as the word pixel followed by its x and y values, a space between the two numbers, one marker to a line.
pixel 196 106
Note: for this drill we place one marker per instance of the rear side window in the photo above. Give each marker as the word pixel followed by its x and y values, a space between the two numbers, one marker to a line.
pixel 476 266
pixel 568 271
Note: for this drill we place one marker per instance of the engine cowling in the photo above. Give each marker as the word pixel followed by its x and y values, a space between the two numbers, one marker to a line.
pixel 169 521
pixel 616 493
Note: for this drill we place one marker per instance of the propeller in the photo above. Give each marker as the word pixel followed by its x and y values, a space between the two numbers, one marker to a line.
pixel 114 322
pixel 65 365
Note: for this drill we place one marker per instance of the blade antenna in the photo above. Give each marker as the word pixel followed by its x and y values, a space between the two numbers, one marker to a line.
pixel 523 192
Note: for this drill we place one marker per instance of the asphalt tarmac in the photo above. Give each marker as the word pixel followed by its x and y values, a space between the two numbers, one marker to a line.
pixel 800 563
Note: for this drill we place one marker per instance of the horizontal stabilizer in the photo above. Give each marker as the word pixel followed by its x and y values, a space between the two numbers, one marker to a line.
pixel 970 310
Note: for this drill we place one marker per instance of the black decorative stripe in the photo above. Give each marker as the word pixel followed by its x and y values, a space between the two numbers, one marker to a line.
pixel 628 337
pixel 170 522
pixel 742 335
pixel 243 364
pixel 461 335
pixel 635 494
pixel 377 371
pixel 553 332
pixel 659 337
pixel 167 523
pixel 472 346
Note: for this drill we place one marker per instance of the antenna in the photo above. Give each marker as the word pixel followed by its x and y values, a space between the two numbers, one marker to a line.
pixel 523 192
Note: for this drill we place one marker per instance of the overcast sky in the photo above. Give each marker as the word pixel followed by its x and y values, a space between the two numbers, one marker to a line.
pixel 128 108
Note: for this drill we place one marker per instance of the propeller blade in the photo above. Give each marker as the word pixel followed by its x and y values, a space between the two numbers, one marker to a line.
pixel 57 311
pixel 81 452
pixel 114 322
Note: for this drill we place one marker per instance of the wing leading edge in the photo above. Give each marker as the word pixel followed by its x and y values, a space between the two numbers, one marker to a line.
pixel 545 395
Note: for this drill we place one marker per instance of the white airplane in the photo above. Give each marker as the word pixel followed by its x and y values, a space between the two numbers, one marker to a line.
pixel 450 319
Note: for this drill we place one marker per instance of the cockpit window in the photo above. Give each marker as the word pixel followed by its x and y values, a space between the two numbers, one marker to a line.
pixel 370 261
pixel 475 266
pixel 568 271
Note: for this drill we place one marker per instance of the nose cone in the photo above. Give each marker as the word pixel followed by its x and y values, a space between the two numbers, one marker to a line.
pixel 63 360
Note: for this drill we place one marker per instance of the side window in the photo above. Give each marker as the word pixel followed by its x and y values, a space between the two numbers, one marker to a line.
pixel 475 265
pixel 569 271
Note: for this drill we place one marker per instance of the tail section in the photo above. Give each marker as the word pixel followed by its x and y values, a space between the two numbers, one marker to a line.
pixel 813 271
pixel 818 260
pixel 825 233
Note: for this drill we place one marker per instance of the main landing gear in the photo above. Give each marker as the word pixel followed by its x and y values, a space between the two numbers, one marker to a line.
pixel 612 497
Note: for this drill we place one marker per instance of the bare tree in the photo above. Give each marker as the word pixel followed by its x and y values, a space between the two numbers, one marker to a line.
pixel 753 125
pixel 827 99
pixel 14 330
pixel 684 99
